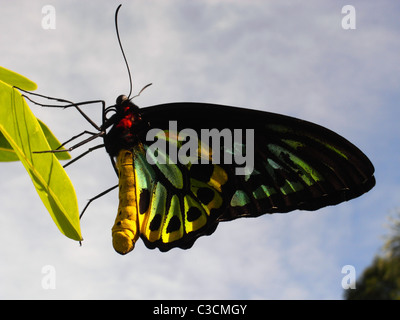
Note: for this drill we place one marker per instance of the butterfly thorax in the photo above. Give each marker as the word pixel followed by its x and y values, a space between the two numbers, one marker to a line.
pixel 126 129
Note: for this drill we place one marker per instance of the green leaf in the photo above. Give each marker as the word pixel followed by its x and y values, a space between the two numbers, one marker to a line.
pixel 14 79
pixel 53 142
pixel 7 153
pixel 24 134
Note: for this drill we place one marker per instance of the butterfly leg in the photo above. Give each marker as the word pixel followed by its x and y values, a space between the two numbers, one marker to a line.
pixel 99 134
pixel 43 96
pixel 75 137
pixel 67 105
pixel 96 197
pixel 83 154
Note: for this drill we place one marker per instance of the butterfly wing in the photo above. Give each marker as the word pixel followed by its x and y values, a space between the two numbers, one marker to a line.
pixel 296 165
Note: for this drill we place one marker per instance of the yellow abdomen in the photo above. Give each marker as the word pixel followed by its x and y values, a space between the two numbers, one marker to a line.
pixel 125 231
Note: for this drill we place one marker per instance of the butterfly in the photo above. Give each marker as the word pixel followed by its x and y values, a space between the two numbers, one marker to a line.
pixel 171 191
pixel 297 165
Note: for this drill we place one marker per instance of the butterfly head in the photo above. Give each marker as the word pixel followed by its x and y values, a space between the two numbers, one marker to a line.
pixel 127 112
pixel 122 98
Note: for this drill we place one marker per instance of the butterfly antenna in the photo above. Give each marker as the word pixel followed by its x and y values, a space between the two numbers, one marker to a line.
pixel 147 85
pixel 122 50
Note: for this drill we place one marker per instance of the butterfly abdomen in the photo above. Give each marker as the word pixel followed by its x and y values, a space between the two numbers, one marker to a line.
pixel 125 231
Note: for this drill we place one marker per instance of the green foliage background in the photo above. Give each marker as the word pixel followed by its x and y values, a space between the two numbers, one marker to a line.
pixel 381 280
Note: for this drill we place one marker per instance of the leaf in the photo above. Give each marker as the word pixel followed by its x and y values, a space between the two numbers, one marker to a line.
pixel 24 134
pixel 53 142
pixel 7 153
pixel 14 79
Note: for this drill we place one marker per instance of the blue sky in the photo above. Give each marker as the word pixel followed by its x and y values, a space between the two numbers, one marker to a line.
pixel 290 57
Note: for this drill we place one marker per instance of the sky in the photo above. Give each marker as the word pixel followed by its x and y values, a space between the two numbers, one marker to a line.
pixel 290 57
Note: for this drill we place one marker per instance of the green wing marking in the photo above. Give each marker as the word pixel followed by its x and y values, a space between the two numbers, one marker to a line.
pixel 296 169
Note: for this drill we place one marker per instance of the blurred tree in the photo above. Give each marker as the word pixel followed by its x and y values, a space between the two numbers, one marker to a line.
pixel 381 280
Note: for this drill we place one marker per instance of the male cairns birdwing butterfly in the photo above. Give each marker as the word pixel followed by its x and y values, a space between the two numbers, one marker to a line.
pixel 170 196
